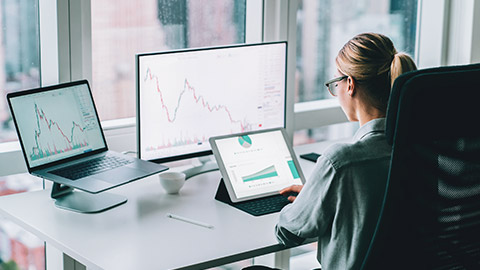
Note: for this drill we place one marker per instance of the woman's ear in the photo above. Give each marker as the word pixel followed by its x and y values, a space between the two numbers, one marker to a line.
pixel 351 86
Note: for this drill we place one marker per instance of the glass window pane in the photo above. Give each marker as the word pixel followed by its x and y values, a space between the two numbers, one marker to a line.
pixel 122 28
pixel 323 26
pixel 19 69
pixel 19 55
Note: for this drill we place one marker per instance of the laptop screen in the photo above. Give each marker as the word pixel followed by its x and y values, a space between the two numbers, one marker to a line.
pixel 56 123
pixel 256 163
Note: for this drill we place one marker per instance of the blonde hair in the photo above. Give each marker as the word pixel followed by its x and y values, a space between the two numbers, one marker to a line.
pixel 401 63
pixel 373 62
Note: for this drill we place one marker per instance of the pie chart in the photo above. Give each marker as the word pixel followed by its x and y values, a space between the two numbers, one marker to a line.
pixel 245 141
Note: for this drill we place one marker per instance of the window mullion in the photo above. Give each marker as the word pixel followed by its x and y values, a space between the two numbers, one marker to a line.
pixel 74 40
pixel 80 39
pixel 432 39
pixel 253 21
pixel 48 42
pixel 280 23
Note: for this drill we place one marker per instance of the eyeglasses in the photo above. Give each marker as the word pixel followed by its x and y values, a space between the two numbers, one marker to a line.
pixel 333 83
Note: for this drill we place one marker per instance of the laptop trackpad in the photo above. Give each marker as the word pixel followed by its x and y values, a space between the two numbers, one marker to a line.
pixel 120 175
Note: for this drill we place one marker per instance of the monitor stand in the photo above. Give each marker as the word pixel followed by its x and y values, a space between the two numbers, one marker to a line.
pixel 207 165
pixel 82 202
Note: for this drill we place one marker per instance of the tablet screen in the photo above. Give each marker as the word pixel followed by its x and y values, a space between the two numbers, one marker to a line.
pixel 257 163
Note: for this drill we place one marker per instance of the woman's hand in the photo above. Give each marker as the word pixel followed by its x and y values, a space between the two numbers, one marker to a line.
pixel 291 192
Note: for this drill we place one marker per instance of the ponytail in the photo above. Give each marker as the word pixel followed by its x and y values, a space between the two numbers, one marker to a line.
pixel 374 63
pixel 401 63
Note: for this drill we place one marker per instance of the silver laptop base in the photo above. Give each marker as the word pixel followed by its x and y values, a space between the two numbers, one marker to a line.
pixel 82 202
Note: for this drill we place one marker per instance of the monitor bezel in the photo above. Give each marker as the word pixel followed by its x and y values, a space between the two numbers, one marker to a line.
pixel 186 50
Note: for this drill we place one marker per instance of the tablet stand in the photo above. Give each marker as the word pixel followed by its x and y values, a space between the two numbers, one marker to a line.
pixel 222 194
pixel 82 202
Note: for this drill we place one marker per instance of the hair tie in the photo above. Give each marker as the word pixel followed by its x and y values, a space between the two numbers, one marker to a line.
pixel 393 56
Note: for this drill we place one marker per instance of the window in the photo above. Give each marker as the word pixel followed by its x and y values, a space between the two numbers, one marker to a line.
pixel 323 26
pixel 122 28
pixel 19 69
pixel 19 55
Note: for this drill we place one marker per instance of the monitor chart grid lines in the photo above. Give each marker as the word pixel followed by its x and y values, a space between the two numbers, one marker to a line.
pixel 187 96
pixel 245 126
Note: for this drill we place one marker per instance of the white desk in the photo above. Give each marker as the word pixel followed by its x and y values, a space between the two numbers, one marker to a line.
pixel 138 235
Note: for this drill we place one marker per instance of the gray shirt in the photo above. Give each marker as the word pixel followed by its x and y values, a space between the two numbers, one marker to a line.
pixel 341 200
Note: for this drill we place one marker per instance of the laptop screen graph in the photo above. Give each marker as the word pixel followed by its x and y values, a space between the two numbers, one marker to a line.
pixel 57 124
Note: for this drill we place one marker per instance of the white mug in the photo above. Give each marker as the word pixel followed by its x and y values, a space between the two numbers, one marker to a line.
pixel 172 182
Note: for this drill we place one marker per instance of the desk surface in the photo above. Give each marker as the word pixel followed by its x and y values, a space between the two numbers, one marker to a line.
pixel 138 235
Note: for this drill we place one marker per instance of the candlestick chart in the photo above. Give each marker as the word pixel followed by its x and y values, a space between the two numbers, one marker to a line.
pixel 52 138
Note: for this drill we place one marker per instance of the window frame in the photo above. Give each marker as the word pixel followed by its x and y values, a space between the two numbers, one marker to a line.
pixel 65 46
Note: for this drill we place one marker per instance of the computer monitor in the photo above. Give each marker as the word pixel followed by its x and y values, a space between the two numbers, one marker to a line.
pixel 186 96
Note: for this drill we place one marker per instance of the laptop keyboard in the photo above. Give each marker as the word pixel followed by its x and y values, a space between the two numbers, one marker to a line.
pixel 263 206
pixel 90 167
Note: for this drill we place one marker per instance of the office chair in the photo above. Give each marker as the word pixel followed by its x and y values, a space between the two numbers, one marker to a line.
pixel 430 218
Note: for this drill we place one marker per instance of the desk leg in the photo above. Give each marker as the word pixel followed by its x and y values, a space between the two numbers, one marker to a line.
pixel 71 264
pixel 282 259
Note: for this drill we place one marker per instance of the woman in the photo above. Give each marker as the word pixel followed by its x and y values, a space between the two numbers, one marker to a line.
pixel 341 201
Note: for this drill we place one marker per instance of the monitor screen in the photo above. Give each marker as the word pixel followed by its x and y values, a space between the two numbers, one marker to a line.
pixel 185 97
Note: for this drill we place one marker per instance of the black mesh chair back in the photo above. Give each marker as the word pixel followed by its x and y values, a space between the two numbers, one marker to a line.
pixel 430 218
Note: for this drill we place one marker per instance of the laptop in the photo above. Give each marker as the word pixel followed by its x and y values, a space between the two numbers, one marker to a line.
pixel 62 139
pixel 255 166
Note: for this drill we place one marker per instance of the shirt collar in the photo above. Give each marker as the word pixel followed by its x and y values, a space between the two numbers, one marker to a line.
pixel 375 125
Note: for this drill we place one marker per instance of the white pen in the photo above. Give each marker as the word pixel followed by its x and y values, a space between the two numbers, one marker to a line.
pixel 184 219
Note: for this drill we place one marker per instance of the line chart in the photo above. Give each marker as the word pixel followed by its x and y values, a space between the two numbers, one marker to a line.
pixel 245 126
pixel 55 141
pixel 186 97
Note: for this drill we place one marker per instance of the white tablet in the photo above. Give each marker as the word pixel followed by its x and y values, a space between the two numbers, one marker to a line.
pixel 256 164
